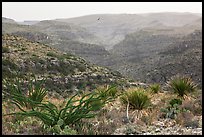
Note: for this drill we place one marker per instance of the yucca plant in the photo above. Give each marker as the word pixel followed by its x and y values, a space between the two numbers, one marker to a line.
pixel 137 99
pixel 181 85
pixel 155 88
pixel 74 110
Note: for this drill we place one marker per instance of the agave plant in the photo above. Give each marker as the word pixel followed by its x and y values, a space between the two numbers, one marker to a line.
pixel 181 85
pixel 138 99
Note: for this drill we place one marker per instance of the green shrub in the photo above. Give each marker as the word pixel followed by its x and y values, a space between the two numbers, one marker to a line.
pixel 52 54
pixel 5 49
pixel 181 85
pixel 172 109
pixel 57 130
pixel 155 88
pixel 175 101
pixel 138 99
pixel 8 63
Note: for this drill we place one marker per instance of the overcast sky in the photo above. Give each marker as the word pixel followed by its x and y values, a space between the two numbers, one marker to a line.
pixel 20 11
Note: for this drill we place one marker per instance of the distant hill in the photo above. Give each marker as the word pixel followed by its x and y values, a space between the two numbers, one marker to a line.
pixel 29 22
pixel 112 28
pixel 7 20
pixel 63 36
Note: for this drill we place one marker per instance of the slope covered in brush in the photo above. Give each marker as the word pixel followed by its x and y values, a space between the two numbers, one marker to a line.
pixel 63 72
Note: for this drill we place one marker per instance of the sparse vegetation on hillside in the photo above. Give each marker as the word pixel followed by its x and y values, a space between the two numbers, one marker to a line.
pixel 59 69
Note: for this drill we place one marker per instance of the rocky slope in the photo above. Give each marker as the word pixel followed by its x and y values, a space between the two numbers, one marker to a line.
pixel 155 58
pixel 64 73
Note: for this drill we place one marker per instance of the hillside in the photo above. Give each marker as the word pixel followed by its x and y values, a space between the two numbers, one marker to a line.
pixel 63 72
pixel 7 20
pixel 155 58
pixel 128 43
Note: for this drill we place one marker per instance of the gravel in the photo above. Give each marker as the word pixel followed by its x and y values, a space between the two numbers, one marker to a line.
pixel 161 127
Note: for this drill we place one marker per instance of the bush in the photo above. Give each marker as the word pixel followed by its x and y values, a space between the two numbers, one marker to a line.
pixel 181 85
pixel 172 109
pixel 52 54
pixel 187 119
pixel 155 88
pixel 5 49
pixel 57 130
pixel 138 99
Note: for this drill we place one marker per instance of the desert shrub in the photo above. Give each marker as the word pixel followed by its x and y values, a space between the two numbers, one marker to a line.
pixel 181 85
pixel 52 54
pixel 23 49
pixel 173 109
pixel 192 106
pixel 65 68
pixel 37 59
pixel 81 67
pixel 5 49
pixel 9 64
pixel 137 99
pixel 187 119
pixel 57 130
pixel 155 88
pixel 175 101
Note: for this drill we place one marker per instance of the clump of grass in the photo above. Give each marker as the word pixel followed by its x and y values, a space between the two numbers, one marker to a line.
pixel 155 88
pixel 181 85
pixel 137 99
pixel 108 91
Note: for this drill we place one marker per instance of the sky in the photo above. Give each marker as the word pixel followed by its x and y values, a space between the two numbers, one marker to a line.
pixel 21 11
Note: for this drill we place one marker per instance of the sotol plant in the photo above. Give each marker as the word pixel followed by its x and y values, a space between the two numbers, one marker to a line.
pixel 181 85
pixel 137 99
pixel 155 88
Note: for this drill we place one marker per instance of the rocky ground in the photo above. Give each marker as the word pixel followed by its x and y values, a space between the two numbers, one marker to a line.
pixel 161 127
